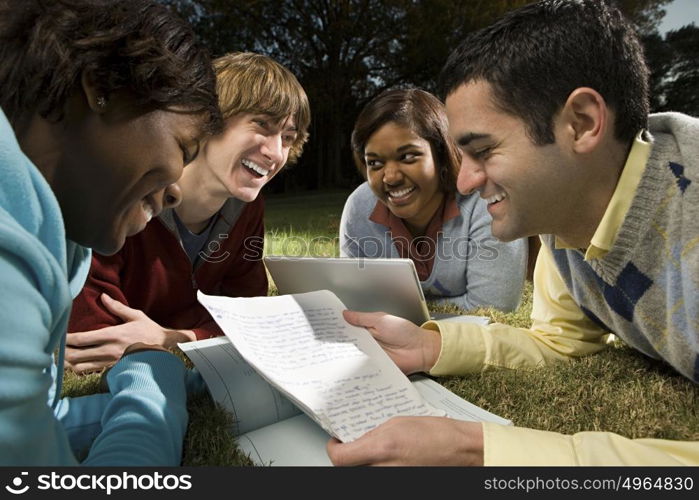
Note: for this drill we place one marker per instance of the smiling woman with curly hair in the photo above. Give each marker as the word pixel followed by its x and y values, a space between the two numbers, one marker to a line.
pixel 103 103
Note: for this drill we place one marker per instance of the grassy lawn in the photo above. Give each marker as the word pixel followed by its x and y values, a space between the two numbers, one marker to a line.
pixel 304 225
pixel 617 390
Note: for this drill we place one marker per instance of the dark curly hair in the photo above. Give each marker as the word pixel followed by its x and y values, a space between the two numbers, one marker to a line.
pixel 135 45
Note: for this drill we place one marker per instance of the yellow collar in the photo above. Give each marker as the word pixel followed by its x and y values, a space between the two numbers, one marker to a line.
pixel 625 190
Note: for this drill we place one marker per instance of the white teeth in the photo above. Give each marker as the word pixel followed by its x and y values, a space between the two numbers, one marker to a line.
pixel 254 166
pixel 495 198
pixel 148 210
pixel 401 192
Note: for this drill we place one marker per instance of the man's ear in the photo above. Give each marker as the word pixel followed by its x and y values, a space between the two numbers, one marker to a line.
pixel 95 99
pixel 586 118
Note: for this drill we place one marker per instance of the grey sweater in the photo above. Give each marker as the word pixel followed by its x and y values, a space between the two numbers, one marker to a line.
pixel 646 289
pixel 471 268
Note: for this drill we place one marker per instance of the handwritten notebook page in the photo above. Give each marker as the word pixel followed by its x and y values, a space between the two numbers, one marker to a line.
pixel 335 372
pixel 236 386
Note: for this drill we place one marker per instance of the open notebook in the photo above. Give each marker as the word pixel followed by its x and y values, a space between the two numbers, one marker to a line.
pixel 389 285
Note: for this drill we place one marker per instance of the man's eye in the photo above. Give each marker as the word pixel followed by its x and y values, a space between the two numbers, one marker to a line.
pixel 482 154
pixel 260 122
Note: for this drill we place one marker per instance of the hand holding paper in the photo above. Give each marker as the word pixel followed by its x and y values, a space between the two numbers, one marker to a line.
pixel 334 371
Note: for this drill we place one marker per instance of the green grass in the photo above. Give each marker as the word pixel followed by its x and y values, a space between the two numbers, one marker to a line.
pixel 617 390
pixel 303 226
pixel 316 213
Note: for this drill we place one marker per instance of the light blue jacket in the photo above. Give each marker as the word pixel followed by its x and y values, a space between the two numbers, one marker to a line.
pixel 142 420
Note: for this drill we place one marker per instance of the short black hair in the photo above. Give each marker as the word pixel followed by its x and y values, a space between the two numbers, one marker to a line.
pixel 135 45
pixel 535 56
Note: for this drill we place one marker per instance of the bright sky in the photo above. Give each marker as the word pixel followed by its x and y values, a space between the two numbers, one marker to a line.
pixel 679 13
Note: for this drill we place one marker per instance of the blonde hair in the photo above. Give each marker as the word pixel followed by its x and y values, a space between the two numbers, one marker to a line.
pixel 253 83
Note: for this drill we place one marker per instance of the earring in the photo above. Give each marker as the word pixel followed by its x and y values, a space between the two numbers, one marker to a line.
pixel 101 102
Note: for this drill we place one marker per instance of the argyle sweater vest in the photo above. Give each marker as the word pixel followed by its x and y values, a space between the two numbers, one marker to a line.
pixel 646 289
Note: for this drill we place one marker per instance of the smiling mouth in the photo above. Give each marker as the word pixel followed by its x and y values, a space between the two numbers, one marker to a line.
pixel 491 200
pixel 256 169
pixel 400 194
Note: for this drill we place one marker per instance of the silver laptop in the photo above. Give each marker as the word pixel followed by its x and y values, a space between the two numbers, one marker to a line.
pixel 389 285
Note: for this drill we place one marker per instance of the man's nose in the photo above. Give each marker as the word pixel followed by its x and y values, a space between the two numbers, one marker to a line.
pixel 272 148
pixel 471 176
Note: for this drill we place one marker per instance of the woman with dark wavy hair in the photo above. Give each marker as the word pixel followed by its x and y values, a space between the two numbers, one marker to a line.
pixel 103 103
pixel 409 206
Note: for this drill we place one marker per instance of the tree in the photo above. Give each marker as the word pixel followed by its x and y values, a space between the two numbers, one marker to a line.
pixel 659 57
pixel 681 88
pixel 645 14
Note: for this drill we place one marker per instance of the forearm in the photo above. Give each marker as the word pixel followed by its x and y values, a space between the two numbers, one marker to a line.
pixel 560 330
pixel 469 348
pixel 507 445
pixel 145 421
pixel 81 418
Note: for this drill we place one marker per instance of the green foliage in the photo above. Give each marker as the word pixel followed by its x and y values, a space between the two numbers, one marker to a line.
pixel 681 89
pixel 645 14
pixel 674 63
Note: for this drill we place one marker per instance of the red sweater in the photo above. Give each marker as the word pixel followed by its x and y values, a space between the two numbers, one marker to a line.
pixel 153 273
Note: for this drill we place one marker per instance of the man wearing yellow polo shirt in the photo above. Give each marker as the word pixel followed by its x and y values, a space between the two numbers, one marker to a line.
pixel 549 107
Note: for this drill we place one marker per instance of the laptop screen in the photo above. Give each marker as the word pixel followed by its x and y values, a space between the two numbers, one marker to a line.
pixel 388 285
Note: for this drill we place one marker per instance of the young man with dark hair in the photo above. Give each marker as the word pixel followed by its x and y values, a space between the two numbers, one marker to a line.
pixel 549 106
